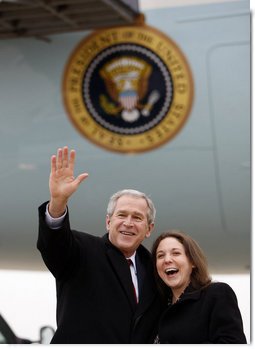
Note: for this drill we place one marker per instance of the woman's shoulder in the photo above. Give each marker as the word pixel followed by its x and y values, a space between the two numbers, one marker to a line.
pixel 219 288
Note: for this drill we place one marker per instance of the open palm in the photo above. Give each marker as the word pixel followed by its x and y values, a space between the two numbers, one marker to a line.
pixel 62 182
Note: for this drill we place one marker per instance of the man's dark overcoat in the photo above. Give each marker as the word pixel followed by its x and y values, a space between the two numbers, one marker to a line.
pixel 95 299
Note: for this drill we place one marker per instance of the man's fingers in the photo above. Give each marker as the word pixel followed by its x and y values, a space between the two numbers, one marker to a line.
pixel 81 178
pixel 65 160
pixel 72 159
pixel 53 163
pixel 65 157
pixel 59 158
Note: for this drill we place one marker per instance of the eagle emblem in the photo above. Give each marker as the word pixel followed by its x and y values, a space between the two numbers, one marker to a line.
pixel 126 81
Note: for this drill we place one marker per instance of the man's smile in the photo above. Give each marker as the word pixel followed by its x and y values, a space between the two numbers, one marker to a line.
pixel 128 233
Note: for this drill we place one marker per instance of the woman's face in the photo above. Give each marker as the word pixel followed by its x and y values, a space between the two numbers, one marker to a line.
pixel 173 266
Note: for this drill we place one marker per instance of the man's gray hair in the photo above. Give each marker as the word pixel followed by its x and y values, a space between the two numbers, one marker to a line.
pixel 134 193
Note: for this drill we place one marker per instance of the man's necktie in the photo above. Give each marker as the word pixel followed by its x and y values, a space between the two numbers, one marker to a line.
pixel 130 263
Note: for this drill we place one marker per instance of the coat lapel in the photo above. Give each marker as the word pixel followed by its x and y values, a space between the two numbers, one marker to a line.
pixel 146 283
pixel 122 271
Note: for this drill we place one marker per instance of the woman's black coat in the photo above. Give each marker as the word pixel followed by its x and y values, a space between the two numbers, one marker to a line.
pixel 209 315
pixel 95 299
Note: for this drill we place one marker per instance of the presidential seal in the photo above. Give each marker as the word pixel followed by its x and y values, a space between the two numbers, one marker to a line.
pixel 128 89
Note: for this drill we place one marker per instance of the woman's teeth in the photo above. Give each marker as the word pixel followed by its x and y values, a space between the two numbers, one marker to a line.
pixel 171 271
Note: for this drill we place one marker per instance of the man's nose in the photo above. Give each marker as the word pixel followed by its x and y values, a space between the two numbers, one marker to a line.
pixel 128 221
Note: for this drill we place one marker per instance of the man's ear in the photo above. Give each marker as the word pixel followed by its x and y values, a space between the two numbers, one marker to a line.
pixel 151 227
pixel 107 222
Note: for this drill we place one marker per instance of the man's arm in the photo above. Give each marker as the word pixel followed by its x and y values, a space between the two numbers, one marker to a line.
pixel 58 251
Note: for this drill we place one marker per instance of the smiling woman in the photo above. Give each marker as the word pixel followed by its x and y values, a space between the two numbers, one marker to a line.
pixel 197 310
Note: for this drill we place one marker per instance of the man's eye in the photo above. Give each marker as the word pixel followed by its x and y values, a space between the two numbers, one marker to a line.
pixel 120 215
